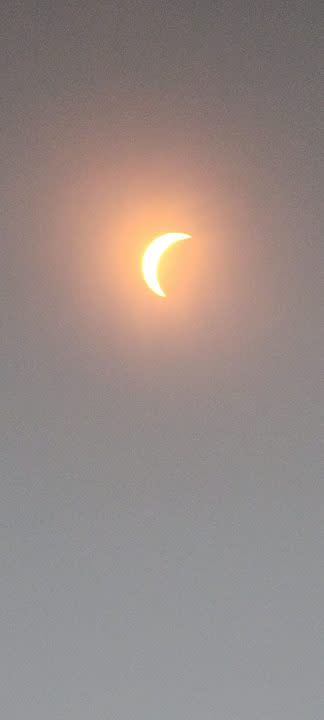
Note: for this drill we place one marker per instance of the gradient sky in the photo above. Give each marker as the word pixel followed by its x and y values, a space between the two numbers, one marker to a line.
pixel 161 476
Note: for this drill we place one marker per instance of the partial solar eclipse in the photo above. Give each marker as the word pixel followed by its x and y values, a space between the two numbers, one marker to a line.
pixel 152 257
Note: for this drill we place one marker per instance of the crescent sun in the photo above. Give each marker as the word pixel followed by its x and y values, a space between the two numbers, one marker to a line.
pixel 152 257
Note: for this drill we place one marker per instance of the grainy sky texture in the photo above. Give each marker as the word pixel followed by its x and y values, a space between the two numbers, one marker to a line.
pixel 161 476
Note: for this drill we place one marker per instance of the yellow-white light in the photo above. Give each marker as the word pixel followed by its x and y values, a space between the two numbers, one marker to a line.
pixel 152 257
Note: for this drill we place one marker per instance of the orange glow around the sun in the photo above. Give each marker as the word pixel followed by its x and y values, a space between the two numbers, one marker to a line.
pixel 111 229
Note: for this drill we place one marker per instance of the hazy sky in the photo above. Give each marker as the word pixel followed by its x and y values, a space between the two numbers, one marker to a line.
pixel 161 476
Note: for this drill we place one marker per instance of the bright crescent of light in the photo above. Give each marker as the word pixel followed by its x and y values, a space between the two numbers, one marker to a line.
pixel 152 257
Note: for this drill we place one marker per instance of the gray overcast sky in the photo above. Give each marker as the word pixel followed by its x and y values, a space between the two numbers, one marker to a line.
pixel 161 476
